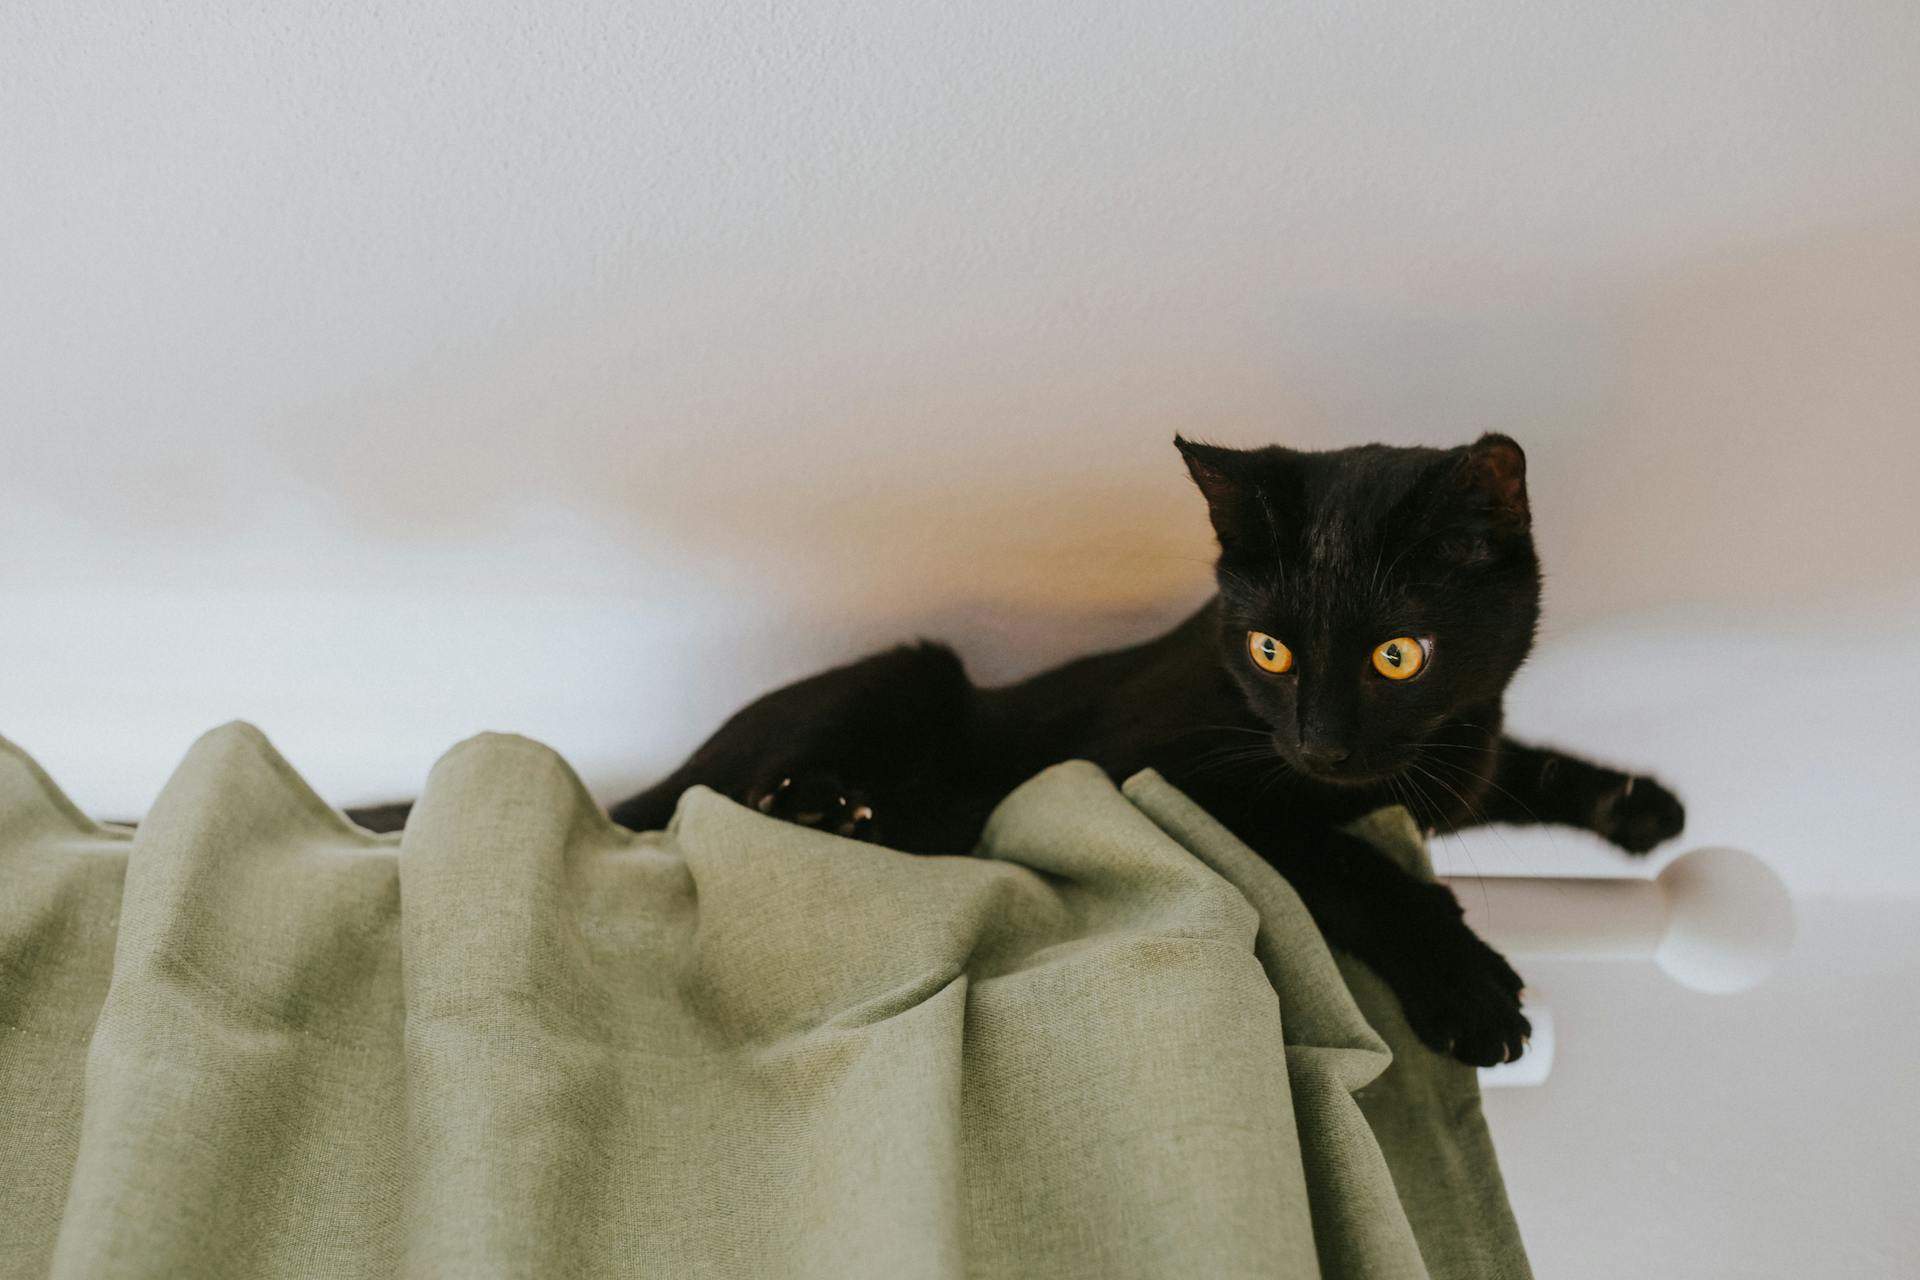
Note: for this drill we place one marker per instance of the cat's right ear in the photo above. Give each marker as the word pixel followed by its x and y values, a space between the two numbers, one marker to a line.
pixel 1233 501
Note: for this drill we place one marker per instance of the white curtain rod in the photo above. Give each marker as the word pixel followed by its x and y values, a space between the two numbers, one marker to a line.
pixel 1716 921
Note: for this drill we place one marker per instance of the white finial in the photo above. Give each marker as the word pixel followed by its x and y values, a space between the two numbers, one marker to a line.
pixel 1715 920
pixel 1729 920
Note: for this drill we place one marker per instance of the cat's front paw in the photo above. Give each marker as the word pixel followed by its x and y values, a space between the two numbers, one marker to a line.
pixel 1639 814
pixel 1466 1002
pixel 817 800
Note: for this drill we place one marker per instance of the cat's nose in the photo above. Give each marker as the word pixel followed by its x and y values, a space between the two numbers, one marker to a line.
pixel 1322 755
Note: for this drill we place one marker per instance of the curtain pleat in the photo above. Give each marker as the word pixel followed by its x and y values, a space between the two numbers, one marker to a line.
pixel 250 1039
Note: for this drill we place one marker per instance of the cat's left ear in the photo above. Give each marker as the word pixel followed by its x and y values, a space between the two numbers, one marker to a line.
pixel 1495 472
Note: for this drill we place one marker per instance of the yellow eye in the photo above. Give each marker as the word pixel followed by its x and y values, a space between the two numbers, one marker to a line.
pixel 1400 658
pixel 1269 654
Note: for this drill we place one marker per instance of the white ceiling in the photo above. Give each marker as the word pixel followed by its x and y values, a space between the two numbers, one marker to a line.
pixel 400 371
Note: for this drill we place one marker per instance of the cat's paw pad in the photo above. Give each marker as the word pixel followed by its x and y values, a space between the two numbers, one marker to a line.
pixel 1468 1006
pixel 1639 814
pixel 820 801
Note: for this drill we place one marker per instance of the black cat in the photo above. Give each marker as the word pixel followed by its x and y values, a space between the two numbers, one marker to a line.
pixel 1373 605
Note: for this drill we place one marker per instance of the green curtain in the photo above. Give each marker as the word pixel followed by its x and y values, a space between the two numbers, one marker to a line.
pixel 250 1039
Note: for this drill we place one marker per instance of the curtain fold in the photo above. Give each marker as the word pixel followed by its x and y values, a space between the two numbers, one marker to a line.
pixel 250 1039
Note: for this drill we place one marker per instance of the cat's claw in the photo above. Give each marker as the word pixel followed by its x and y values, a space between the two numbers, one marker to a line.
pixel 819 801
pixel 1639 815
pixel 1467 1005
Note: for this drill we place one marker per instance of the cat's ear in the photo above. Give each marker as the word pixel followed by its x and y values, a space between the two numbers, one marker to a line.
pixel 1494 471
pixel 1225 480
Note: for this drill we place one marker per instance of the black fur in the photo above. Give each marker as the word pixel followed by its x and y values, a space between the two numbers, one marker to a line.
pixel 1332 553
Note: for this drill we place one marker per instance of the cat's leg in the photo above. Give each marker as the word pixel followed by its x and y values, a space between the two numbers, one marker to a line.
pixel 652 809
pixel 822 801
pixel 844 751
pixel 1459 995
pixel 1540 785
pixel 792 788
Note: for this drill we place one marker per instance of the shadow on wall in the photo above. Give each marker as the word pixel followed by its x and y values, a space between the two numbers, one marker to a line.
pixel 1742 432
pixel 1739 435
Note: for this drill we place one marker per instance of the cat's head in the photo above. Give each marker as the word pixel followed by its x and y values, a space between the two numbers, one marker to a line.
pixel 1370 595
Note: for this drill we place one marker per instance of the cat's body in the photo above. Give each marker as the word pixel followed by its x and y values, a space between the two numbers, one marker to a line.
pixel 1277 707
pixel 906 735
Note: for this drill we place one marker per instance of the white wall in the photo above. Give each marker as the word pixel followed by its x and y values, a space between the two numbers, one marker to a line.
pixel 384 374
